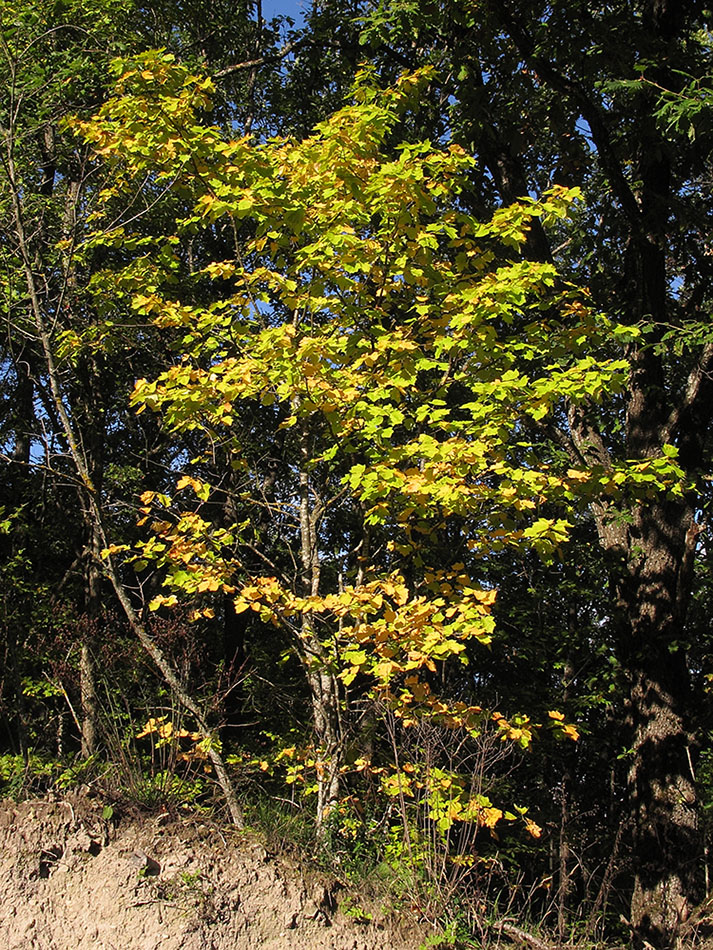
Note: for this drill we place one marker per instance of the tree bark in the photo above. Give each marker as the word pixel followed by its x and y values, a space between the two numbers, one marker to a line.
pixel 662 791
pixel 323 683
pixel 87 665
pixel 651 553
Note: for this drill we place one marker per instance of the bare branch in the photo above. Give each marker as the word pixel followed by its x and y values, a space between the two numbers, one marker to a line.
pixel 261 60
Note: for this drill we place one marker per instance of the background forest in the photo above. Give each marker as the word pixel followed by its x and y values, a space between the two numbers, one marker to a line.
pixel 355 433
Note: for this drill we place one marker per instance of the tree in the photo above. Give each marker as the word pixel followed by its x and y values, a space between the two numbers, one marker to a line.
pixel 70 395
pixel 369 442
pixel 385 332
pixel 540 95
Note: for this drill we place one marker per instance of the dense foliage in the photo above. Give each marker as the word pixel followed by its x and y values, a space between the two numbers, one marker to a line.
pixel 355 425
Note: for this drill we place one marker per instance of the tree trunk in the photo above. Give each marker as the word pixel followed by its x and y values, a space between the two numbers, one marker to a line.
pixel 323 683
pixel 325 710
pixel 662 791
pixel 652 554
pixel 92 415
pixel 564 885
pixel 90 640
pixel 663 801
pixel 88 696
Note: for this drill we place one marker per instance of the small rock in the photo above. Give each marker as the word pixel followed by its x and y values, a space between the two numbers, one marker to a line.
pixel 310 910
pixel 142 862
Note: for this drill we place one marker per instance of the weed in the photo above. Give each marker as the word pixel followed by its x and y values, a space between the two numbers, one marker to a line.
pixel 355 911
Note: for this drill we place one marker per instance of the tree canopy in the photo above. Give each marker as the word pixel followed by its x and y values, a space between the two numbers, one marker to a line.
pixel 356 429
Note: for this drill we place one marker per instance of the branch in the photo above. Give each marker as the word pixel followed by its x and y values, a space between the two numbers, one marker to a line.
pixel 699 381
pixel 590 111
pixel 262 60
pixel 586 438
pixel 558 435
pixel 589 443
pixel 523 937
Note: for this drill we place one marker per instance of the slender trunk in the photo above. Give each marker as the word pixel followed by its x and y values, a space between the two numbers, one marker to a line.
pixel 93 506
pixel 564 853
pixel 91 415
pixel 325 710
pixel 24 415
pixel 87 666
pixel 323 683
pixel 171 678
pixel 88 696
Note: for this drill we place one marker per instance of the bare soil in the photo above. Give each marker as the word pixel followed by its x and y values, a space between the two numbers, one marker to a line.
pixel 69 880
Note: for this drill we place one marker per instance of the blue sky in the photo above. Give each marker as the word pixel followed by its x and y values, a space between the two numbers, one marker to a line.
pixel 292 8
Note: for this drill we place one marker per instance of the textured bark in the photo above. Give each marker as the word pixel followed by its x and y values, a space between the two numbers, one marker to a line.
pixel 87 667
pixel 90 415
pixel 652 594
pixel 324 688
pixel 662 791
pixel 88 696
pixel 663 799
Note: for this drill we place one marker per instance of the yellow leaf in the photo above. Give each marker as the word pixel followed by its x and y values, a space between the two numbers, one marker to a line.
pixel 489 817
pixel 486 597
pixel 153 725
pixel 209 583
pixel 401 595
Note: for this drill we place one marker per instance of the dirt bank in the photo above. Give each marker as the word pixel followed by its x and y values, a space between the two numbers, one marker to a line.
pixel 70 880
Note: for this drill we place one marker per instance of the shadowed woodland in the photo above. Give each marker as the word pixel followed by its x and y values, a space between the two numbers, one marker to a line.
pixel 355 433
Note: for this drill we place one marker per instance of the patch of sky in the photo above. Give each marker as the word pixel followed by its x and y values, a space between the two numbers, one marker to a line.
pixel 585 131
pixel 296 10
pixel 675 287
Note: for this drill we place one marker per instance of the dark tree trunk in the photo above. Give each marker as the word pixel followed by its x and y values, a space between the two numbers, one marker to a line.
pixel 662 791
